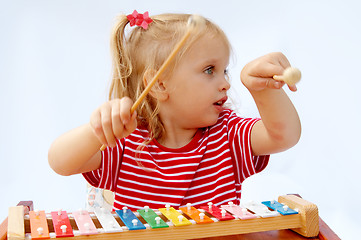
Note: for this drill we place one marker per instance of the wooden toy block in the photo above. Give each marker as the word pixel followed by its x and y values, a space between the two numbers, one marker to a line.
pixel 196 215
pixel 130 220
pixel 283 209
pixel 152 218
pixel 107 220
pixel 29 206
pixel 217 212
pixel 38 225
pixel 307 210
pixel 16 229
pixel 84 222
pixel 239 212
pixel 175 217
pixel 61 224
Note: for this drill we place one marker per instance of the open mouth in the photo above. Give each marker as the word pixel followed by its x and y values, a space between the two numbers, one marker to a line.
pixel 220 102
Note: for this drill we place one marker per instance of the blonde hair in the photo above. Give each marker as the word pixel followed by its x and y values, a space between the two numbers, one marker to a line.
pixel 141 50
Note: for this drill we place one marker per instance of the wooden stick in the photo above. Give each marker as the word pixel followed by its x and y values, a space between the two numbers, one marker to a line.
pixel 291 76
pixel 193 21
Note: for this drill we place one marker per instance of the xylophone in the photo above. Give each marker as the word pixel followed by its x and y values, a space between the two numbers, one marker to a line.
pixel 289 212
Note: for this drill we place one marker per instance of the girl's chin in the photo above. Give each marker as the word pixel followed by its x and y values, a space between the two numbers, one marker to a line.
pixel 210 122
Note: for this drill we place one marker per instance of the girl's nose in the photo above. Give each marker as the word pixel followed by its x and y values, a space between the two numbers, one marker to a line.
pixel 224 85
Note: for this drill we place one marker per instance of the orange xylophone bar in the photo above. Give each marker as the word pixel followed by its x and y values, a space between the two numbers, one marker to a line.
pixel 305 222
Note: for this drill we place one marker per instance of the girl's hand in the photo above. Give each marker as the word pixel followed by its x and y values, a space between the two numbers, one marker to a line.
pixel 258 74
pixel 113 120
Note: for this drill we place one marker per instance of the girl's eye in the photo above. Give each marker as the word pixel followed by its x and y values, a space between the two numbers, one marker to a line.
pixel 209 70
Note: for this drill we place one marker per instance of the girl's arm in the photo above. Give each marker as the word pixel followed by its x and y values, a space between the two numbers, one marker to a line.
pixel 77 151
pixel 280 127
pixel 74 152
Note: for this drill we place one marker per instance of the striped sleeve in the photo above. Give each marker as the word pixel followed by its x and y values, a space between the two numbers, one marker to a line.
pixel 105 177
pixel 239 132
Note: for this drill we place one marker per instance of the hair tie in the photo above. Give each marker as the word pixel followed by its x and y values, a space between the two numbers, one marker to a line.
pixel 141 20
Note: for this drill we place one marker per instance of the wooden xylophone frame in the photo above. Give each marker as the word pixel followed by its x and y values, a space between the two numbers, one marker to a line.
pixel 305 223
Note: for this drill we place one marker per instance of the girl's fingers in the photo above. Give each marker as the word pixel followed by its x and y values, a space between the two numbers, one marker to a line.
pixel 132 124
pixel 107 125
pixel 269 65
pixel 125 106
pixel 274 84
pixel 258 74
pixel 293 88
pixel 117 123
pixel 267 70
pixel 282 60
pixel 96 124
pixel 262 83
pixel 113 121
pixel 122 121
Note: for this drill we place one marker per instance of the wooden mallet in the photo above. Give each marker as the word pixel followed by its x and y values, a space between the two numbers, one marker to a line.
pixel 194 22
pixel 291 76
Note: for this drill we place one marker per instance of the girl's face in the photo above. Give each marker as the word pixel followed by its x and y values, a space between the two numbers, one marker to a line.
pixel 198 86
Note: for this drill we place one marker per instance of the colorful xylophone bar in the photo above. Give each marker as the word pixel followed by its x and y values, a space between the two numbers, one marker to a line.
pixel 208 221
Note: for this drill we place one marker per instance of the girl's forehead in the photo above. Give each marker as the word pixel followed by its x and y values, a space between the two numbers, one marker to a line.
pixel 210 46
pixel 211 39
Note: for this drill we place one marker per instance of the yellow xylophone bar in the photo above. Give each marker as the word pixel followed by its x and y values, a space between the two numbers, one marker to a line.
pixel 306 223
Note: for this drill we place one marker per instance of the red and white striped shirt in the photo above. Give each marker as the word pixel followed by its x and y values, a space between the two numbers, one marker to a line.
pixel 211 168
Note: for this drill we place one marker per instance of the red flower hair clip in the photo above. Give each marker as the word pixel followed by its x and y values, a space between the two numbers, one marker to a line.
pixel 139 19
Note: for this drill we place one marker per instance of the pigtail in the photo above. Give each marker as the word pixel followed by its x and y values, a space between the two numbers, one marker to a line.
pixel 122 67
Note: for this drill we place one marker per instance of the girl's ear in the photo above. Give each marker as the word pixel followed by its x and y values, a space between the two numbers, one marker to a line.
pixel 159 90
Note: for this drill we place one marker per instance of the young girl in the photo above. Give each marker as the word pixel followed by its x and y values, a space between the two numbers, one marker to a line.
pixel 181 145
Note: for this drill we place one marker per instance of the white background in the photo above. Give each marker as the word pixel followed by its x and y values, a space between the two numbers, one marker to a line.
pixel 55 70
